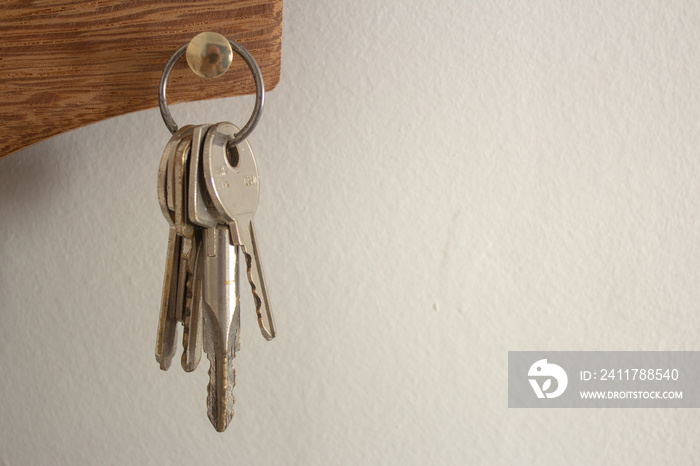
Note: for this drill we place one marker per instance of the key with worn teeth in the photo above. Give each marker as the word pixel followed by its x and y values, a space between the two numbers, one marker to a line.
pixel 232 182
pixel 220 303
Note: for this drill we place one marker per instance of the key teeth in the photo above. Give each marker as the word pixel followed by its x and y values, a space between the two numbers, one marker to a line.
pixel 220 418
pixel 219 410
pixel 253 288
pixel 187 322
pixel 268 333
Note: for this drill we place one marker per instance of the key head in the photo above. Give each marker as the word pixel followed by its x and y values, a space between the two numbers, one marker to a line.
pixel 232 181
pixel 179 184
pixel 199 206
pixel 165 167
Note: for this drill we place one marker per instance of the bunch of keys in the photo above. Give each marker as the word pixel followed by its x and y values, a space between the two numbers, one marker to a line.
pixel 208 190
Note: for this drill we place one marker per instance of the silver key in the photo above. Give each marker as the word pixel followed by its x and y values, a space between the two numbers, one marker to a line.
pixel 183 228
pixel 187 310
pixel 221 310
pixel 217 280
pixel 193 313
pixel 167 323
pixel 234 190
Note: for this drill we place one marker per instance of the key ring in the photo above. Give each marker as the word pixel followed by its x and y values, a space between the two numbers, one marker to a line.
pixel 259 92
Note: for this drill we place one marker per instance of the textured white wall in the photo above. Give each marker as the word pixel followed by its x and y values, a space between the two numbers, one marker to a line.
pixel 441 182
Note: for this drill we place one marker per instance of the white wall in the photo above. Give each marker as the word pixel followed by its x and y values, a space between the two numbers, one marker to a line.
pixel 441 182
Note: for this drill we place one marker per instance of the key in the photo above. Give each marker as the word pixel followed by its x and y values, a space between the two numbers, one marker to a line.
pixel 221 308
pixel 216 278
pixel 193 320
pixel 234 190
pixel 193 314
pixel 183 228
pixel 167 323
pixel 187 310
pixel 202 212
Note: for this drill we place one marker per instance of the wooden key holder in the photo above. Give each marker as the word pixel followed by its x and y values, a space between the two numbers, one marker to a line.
pixel 66 63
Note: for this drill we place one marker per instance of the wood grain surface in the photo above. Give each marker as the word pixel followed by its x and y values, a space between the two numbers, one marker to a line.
pixel 67 63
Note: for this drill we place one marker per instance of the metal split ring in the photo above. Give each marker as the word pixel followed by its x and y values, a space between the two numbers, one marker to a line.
pixel 259 92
